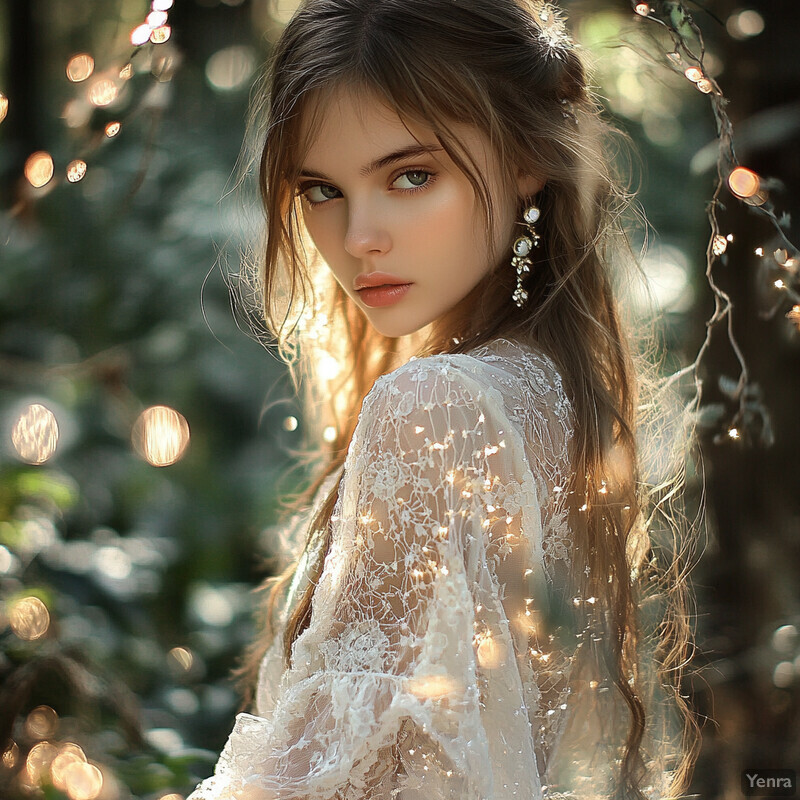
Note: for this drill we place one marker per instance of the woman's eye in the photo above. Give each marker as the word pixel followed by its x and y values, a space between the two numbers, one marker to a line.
pixel 318 193
pixel 416 177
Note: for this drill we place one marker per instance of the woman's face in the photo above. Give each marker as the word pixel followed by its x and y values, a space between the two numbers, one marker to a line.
pixel 413 217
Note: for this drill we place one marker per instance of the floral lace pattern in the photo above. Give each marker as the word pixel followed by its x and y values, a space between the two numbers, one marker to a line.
pixel 426 669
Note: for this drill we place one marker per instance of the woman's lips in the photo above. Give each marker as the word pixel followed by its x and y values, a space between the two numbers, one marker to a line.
pixel 386 295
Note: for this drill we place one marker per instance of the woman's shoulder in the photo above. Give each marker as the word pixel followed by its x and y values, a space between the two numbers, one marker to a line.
pixel 511 367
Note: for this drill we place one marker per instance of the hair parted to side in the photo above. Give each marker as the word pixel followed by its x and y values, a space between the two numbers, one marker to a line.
pixel 508 68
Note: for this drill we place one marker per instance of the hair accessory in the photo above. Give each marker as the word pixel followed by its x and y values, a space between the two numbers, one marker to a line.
pixel 523 247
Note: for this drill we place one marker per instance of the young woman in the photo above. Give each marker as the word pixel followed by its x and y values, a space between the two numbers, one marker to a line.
pixel 464 618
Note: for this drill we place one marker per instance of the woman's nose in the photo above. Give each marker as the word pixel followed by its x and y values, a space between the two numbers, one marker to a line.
pixel 367 233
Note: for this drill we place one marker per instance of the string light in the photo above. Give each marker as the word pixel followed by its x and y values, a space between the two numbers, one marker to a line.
pixel 102 92
pixel 3 106
pixel 80 67
pixel 155 19
pixel 39 169
pixel 743 182
pixel 76 170
pixel 688 47
pixel 140 35
pixel 161 34
pixel 112 129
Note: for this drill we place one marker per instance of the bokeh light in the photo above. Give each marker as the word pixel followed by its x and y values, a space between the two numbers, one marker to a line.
pixel 705 86
pixel 230 69
pixel 140 35
pixel 112 129
pixel 329 434
pixel 643 9
pixel 694 74
pixel 39 169
pixel 77 113
pixel 103 92
pixel 10 756
pixel 80 67
pixel 433 686
pixel 744 24
pixel 290 423
pixel 743 182
pixel 328 367
pixel 163 65
pixel 76 170
pixel 491 654
pixel 282 10
pixel 181 657
pixel 161 34
pixel 162 5
pixel 719 245
pixel 29 618
pixel 161 435
pixel 82 781
pixel 3 106
pixel 155 19
pixel 126 73
pixel 41 723
pixel 69 753
pixel 35 434
pixel 39 759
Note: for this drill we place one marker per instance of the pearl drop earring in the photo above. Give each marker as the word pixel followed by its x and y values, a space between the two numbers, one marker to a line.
pixel 523 247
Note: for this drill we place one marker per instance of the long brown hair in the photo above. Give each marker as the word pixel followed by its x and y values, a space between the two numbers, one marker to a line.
pixel 507 68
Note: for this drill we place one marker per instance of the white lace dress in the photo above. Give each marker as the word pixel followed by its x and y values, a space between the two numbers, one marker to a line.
pixel 426 670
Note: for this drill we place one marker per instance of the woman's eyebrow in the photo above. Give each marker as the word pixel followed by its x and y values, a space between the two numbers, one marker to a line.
pixel 379 163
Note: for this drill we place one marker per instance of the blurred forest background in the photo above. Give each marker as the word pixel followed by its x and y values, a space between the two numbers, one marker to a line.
pixel 127 556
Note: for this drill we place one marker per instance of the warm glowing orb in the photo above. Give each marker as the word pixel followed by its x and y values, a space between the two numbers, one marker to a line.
pixel 39 169
pixel 76 170
pixel 161 435
pixel 82 781
pixel 41 723
pixel 37 764
pixel 112 129
pixel 161 34
pixel 3 106
pixel 155 19
pixel 68 754
pixel 743 182
pixel 140 35
pixel 80 67
pixel 35 434
pixel 29 618
pixel 103 92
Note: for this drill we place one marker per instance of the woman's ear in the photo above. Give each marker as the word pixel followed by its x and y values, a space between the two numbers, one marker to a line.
pixel 529 185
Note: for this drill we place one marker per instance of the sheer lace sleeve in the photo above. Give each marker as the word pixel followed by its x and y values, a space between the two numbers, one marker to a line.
pixel 406 683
